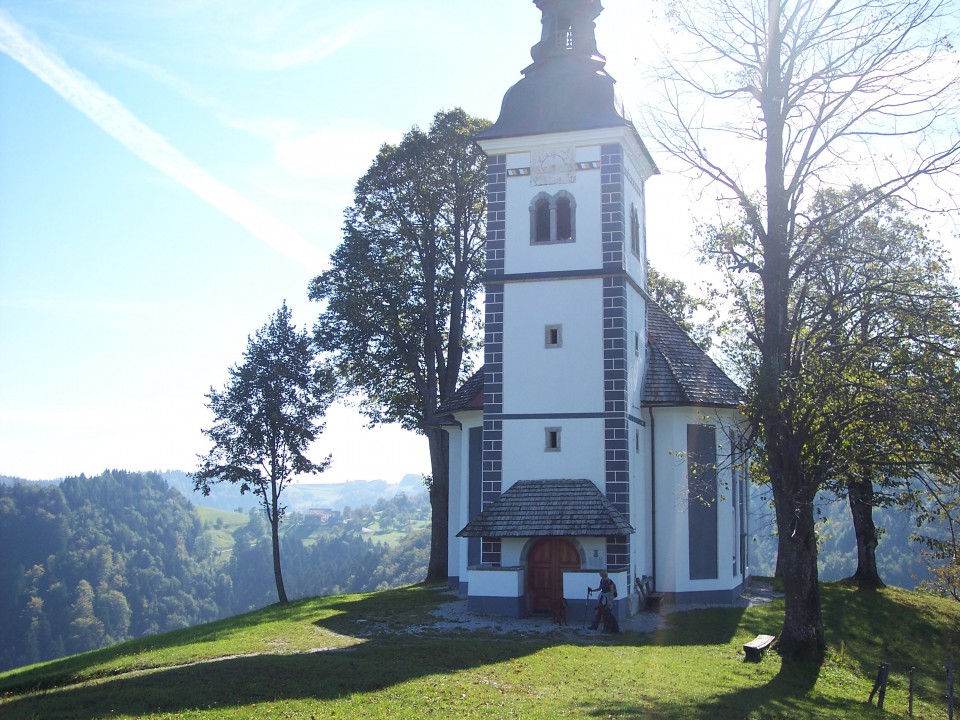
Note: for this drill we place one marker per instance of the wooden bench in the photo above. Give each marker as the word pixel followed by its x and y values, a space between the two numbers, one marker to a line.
pixel 753 650
pixel 649 600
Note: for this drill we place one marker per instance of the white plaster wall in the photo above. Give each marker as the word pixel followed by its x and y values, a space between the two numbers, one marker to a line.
pixel 459 502
pixel 636 330
pixel 497 583
pixel 576 582
pixel 553 380
pixel 580 456
pixel 639 473
pixel 511 551
pixel 634 195
pixel 595 552
pixel 643 494
pixel 671 503
pixel 458 487
pixel 585 252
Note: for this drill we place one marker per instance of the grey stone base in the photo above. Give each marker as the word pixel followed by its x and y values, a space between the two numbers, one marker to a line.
pixel 704 597
pixel 514 607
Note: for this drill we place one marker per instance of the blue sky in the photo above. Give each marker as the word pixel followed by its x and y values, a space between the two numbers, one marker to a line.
pixel 170 172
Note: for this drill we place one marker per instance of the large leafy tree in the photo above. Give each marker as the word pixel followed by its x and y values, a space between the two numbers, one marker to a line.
pixel 875 323
pixel 266 418
pixel 804 92
pixel 399 313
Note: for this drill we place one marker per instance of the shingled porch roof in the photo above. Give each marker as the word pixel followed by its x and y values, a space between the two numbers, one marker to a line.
pixel 544 508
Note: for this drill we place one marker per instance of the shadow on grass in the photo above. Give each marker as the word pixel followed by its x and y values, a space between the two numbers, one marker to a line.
pixel 243 681
pixel 394 644
pixel 63 671
pixel 387 653
pixel 784 696
pixel 868 627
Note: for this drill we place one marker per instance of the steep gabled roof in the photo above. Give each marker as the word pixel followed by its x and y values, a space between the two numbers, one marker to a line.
pixel 537 508
pixel 679 372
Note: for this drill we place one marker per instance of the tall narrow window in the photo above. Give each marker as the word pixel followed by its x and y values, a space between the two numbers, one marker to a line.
pixel 634 230
pixel 564 220
pixel 702 493
pixel 541 231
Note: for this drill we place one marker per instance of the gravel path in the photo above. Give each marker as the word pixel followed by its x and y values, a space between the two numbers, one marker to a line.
pixel 453 616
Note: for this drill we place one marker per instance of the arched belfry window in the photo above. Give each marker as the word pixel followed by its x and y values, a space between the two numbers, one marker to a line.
pixel 541 212
pixel 564 218
pixel 553 218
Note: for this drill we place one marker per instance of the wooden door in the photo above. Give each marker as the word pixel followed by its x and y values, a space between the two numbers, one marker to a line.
pixel 547 560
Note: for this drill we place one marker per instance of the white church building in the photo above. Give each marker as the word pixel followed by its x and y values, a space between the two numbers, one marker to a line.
pixel 597 435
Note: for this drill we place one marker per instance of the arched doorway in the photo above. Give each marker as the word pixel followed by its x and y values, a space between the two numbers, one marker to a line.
pixel 546 561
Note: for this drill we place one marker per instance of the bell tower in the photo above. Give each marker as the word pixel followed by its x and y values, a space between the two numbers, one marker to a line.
pixel 568 30
pixel 565 346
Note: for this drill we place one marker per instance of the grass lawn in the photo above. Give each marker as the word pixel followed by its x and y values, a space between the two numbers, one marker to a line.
pixel 376 656
pixel 222 536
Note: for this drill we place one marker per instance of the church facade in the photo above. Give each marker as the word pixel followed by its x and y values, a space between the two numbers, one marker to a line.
pixel 597 436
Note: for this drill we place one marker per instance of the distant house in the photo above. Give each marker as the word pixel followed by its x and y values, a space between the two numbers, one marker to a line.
pixel 321 516
pixel 597 435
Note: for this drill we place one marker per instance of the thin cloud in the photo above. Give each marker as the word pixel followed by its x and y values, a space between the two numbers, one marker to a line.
pixel 308 53
pixel 111 115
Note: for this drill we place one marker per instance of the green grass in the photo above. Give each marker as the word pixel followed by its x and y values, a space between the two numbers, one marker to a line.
pixel 366 656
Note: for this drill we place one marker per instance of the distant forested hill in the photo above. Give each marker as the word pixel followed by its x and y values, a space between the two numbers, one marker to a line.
pixel 300 497
pixel 898 557
pixel 92 561
pixel 87 562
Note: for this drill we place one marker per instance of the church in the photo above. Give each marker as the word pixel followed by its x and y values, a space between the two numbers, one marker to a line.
pixel 597 435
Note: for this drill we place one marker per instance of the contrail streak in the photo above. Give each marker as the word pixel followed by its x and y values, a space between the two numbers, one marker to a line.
pixel 111 115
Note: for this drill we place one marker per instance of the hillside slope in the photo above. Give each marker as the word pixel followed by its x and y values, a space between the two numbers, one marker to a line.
pixel 385 655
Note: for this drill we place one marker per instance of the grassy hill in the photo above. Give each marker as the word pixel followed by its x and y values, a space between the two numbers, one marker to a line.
pixel 221 525
pixel 382 656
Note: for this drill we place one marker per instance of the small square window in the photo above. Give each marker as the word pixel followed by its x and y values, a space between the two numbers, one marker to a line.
pixel 553 336
pixel 552 439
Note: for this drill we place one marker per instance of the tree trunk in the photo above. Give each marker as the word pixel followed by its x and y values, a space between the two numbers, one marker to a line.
pixel 439 499
pixel 801 638
pixel 860 496
pixel 273 515
pixel 778 570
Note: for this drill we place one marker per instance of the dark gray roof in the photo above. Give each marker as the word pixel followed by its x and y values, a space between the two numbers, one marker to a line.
pixel 468 396
pixel 679 372
pixel 538 508
pixel 566 88
pixel 561 97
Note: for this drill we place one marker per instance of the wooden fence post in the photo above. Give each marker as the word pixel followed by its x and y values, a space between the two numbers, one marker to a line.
pixel 950 689
pixel 885 671
pixel 880 684
pixel 913 671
